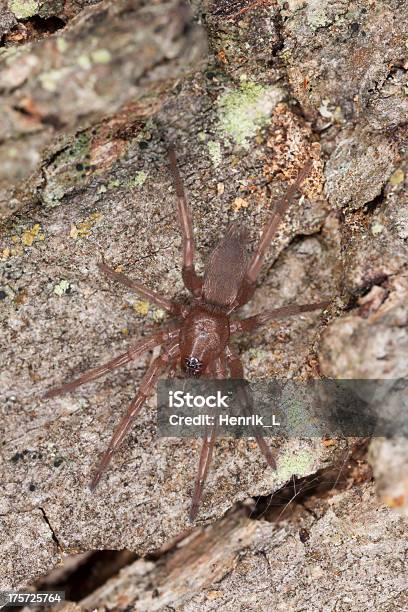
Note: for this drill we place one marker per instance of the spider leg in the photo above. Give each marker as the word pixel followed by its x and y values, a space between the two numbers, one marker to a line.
pixel 141 290
pixel 251 323
pixel 191 279
pixel 203 468
pixel 206 451
pixel 117 362
pixel 172 370
pixel 237 371
pixel 146 386
pixel 248 284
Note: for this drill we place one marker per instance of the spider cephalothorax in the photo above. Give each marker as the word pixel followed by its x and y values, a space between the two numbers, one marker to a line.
pixel 204 336
pixel 200 343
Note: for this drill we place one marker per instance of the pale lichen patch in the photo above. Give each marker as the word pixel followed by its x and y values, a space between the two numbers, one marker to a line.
pixel 316 14
pixel 23 9
pixel 243 111
pixel 159 315
pixel 51 80
pixel 62 45
pixel 62 287
pixel 376 228
pixel 114 184
pixel 294 462
pixel 214 151
pixel 138 180
pixel 397 177
pixel 101 56
pixel 84 62
pixel 257 354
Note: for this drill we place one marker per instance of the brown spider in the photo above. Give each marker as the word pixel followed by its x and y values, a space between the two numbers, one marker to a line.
pixel 200 344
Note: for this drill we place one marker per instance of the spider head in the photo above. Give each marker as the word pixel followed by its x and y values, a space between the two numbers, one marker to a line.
pixel 193 366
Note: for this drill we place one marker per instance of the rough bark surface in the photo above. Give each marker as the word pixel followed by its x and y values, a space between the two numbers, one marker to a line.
pixel 115 56
pixel 86 115
pixel 244 564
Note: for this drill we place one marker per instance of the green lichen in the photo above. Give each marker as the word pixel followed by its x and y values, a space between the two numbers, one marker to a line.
pixel 80 146
pixel 62 287
pixel 214 151
pixel 243 111
pixel 62 45
pixel 23 9
pixel 159 315
pixel 290 6
pixel 138 180
pixel 101 56
pixel 84 62
pixel 257 354
pixel 9 54
pixel 50 81
pixel 299 417
pixel 114 184
pixel 376 228
pixel 397 177
pixel 353 15
pixel 67 169
pixel 316 14
pixel 294 462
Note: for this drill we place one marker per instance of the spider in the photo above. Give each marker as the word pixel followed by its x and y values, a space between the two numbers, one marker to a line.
pixel 200 343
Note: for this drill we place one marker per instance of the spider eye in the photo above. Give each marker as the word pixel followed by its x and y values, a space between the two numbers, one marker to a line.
pixel 193 365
